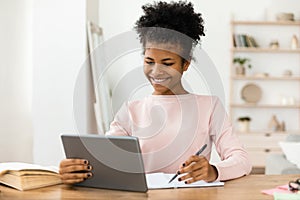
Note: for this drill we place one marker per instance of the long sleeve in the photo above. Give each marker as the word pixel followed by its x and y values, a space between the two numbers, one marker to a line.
pixel 234 159
pixel 121 123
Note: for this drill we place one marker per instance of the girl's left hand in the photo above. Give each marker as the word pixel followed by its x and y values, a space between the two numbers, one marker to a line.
pixel 197 168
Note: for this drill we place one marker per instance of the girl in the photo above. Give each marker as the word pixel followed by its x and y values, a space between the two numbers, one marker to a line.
pixel 173 124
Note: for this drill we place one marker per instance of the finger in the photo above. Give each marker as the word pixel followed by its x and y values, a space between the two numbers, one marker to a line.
pixel 194 179
pixel 192 167
pixel 71 161
pixel 192 159
pixel 193 164
pixel 190 175
pixel 72 181
pixel 75 168
pixel 75 176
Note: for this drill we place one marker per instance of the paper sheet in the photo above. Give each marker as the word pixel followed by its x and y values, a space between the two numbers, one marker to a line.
pixel 280 196
pixel 4 167
pixel 282 189
pixel 160 181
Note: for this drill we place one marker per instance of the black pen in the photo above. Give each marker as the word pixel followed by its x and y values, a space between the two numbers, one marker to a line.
pixel 197 154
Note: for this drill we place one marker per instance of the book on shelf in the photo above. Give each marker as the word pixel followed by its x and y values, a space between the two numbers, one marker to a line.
pixel 25 176
pixel 253 42
pixel 244 40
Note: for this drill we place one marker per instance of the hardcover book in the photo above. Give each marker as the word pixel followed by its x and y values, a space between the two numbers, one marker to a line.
pixel 25 176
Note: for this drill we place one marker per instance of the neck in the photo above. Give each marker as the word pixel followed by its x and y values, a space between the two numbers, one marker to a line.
pixel 174 91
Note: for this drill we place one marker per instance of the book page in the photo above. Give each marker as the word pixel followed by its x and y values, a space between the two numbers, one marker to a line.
pixel 17 166
pixel 161 180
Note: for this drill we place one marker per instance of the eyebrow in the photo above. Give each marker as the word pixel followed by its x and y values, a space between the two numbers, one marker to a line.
pixel 165 59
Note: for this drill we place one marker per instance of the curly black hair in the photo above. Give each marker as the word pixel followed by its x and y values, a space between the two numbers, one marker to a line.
pixel 174 23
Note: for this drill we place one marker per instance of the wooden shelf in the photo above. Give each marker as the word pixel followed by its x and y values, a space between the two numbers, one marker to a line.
pixel 268 133
pixel 264 50
pixel 235 105
pixel 267 23
pixel 267 78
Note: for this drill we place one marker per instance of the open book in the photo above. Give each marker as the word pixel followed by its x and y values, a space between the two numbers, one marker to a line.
pixel 24 176
pixel 161 180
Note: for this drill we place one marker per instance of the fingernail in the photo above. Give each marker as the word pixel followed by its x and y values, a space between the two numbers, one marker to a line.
pixel 185 182
pixel 179 179
pixel 89 175
pixel 85 162
pixel 84 179
pixel 89 167
pixel 178 172
pixel 183 164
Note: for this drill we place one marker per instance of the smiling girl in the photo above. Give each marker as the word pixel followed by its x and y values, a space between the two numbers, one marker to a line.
pixel 173 124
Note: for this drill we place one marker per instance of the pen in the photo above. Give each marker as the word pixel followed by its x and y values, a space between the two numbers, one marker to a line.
pixel 197 154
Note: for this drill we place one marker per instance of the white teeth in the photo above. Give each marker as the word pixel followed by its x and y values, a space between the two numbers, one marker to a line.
pixel 159 80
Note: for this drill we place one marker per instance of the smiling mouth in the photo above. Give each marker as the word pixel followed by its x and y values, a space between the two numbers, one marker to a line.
pixel 159 80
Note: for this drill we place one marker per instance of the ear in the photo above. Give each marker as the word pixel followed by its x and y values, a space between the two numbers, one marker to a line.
pixel 186 65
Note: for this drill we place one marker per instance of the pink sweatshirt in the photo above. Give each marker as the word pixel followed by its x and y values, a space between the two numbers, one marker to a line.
pixel 171 128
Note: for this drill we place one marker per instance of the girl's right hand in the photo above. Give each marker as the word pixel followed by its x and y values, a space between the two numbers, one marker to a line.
pixel 74 170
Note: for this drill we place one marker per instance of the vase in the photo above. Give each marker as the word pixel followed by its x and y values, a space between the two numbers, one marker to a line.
pixel 244 126
pixel 240 70
pixel 274 124
pixel 294 42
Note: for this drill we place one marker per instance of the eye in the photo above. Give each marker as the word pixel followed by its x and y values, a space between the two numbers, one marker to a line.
pixel 168 64
pixel 149 62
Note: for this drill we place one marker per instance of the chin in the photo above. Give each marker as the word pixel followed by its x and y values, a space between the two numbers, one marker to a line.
pixel 160 89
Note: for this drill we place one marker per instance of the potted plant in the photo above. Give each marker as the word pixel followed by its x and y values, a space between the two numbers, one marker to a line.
pixel 244 124
pixel 240 65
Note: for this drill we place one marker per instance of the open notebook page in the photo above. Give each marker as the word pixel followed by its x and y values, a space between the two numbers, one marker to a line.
pixel 161 180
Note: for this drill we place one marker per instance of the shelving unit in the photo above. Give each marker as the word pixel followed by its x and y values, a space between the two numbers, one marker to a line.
pixel 250 105
pixel 266 23
pixel 264 50
pixel 259 141
pixel 266 78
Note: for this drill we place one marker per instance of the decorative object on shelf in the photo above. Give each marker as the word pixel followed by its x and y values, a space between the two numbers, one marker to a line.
pixel 291 101
pixel 240 63
pixel 284 100
pixel 287 72
pixel 244 124
pixel 282 126
pixel 274 124
pixel 261 75
pixel 288 100
pixel 285 16
pixel 274 44
pixel 294 42
pixel 251 93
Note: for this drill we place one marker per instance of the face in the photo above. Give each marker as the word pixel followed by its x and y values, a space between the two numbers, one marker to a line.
pixel 164 70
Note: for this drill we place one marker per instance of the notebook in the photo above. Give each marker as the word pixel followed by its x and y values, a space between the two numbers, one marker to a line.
pixel 161 181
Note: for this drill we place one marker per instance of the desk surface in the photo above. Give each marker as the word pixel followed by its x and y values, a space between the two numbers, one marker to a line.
pixel 245 188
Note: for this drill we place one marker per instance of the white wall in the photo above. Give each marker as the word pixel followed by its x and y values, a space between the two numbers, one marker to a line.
pixel 59 50
pixel 43 49
pixel 15 80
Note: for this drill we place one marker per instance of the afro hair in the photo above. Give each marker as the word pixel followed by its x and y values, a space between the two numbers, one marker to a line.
pixel 161 21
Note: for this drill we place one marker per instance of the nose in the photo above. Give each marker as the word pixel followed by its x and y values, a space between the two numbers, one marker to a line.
pixel 157 69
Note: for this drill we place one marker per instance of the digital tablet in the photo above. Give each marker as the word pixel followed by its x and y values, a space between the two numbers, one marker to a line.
pixel 116 160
